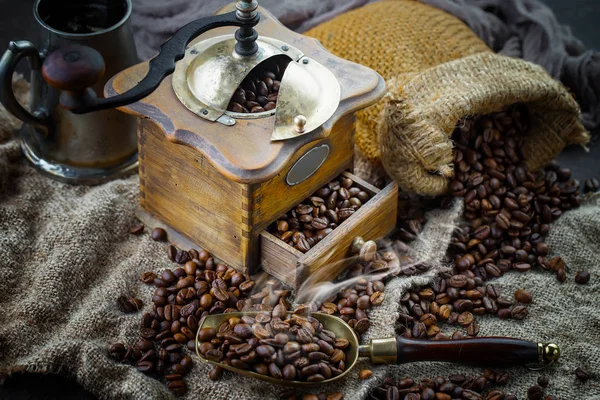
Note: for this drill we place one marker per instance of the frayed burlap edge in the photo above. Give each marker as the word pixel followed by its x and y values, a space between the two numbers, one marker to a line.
pixel 422 110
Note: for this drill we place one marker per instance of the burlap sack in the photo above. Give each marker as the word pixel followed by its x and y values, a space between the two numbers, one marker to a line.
pixel 438 71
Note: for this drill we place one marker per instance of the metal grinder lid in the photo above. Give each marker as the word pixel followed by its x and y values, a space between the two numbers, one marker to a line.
pixel 207 77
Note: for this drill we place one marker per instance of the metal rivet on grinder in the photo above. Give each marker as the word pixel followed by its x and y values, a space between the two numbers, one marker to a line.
pixel 299 123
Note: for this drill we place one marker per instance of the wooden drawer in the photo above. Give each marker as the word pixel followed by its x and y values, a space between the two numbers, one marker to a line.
pixel 328 258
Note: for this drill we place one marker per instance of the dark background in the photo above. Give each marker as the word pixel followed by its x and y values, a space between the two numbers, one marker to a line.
pixel 17 23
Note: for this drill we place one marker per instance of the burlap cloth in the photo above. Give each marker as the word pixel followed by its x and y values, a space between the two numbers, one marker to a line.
pixel 66 255
pixel 439 71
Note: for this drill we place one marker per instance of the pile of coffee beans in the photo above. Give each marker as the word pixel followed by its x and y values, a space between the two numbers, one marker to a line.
pixel 455 386
pixel 508 211
pixel 351 304
pixel 316 217
pixel 453 300
pixel 182 297
pixel 260 89
pixel 202 286
pixel 274 343
pixel 508 208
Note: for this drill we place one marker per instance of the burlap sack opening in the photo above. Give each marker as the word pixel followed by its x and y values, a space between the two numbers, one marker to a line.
pixel 422 111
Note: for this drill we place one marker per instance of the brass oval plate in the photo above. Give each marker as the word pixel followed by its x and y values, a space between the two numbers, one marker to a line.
pixel 307 165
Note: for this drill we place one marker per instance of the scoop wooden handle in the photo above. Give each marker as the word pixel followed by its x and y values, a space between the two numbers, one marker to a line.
pixel 481 352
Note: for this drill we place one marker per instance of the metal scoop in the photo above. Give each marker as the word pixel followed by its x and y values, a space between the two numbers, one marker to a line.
pixel 482 352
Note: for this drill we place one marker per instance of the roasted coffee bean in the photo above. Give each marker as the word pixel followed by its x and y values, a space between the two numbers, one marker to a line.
pixel 582 374
pixel 523 296
pixel 177 387
pixel 137 229
pixel 181 257
pixel 535 392
pixel 368 251
pixel 128 304
pixel 148 277
pixel 159 234
pixel 591 185
pixel 519 312
pixel 365 374
pixel 582 277
pixel 458 281
pixel 215 373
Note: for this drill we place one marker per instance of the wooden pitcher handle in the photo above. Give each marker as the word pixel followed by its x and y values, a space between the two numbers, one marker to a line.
pixel 481 352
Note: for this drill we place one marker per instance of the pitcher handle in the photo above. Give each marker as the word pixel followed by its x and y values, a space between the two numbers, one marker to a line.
pixel 16 52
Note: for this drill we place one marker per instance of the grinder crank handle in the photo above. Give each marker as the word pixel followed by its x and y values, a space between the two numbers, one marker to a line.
pixel 76 94
pixel 481 352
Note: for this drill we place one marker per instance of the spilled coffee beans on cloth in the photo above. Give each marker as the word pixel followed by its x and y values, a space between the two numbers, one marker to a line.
pixel 316 217
pixel 290 347
pixel 508 211
pixel 260 89
pixel 455 386
pixel 508 207
pixel 202 286
pixel 182 297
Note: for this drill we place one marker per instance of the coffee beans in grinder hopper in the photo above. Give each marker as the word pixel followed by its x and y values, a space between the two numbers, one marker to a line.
pixel 289 347
pixel 312 220
pixel 260 89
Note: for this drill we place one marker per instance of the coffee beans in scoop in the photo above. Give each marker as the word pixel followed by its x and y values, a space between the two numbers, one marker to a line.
pixel 316 217
pixel 274 343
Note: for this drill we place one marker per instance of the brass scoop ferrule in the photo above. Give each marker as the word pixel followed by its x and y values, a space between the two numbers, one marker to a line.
pixel 380 351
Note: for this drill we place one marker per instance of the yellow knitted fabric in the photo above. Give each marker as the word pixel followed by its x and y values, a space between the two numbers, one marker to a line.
pixel 394 37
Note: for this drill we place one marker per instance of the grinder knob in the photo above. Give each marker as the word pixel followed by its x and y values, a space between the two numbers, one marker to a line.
pixel 73 70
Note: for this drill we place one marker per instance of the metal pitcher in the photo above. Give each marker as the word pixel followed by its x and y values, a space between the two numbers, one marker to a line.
pixel 77 148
